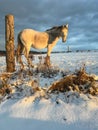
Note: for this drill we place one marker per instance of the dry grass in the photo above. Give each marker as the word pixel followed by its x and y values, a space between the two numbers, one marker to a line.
pixel 80 82
pixel 4 85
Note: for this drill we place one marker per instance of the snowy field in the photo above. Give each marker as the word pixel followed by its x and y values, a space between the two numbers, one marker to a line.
pixel 26 110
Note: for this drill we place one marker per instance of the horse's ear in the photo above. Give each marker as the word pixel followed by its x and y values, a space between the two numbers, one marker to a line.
pixel 67 25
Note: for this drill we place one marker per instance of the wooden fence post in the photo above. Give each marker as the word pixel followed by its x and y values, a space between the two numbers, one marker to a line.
pixel 9 39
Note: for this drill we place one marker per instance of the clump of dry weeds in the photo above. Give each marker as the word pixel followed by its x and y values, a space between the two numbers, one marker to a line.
pixel 80 82
pixel 4 85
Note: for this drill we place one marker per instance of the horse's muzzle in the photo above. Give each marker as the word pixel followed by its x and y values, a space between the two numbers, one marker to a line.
pixel 64 40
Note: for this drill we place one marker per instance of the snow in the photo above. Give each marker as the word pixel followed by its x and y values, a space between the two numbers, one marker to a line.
pixel 26 110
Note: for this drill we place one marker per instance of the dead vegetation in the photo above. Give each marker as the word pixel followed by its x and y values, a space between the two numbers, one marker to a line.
pixel 80 82
pixel 5 87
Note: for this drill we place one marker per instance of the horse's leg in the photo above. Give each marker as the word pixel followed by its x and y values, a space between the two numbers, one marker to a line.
pixel 20 62
pixel 27 50
pixel 18 54
pixel 47 59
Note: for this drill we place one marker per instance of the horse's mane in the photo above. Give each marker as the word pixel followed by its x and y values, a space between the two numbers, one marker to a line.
pixel 54 28
pixel 53 33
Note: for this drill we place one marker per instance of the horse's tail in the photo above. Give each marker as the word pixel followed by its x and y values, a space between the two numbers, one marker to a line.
pixel 19 48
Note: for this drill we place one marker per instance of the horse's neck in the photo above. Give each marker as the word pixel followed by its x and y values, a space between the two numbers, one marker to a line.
pixel 53 37
pixel 55 33
pixel 55 41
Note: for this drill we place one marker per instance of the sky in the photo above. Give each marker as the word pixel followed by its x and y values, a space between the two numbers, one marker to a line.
pixel 80 15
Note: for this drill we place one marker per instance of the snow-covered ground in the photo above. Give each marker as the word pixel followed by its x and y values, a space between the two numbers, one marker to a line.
pixel 26 110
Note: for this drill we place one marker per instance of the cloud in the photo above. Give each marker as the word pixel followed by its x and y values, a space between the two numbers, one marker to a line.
pixel 81 15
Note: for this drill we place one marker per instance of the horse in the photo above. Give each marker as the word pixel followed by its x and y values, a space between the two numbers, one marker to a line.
pixel 28 38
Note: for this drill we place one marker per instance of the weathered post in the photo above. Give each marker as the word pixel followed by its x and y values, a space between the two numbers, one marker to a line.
pixel 9 45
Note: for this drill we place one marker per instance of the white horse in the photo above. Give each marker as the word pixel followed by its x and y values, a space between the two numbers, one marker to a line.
pixel 28 38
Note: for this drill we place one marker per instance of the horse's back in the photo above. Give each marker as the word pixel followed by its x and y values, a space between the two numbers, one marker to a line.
pixel 27 33
pixel 30 34
pixel 38 40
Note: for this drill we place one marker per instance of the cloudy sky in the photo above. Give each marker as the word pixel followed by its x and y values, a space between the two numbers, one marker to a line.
pixel 81 15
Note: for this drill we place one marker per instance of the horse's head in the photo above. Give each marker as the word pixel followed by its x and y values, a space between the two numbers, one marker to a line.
pixel 64 32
